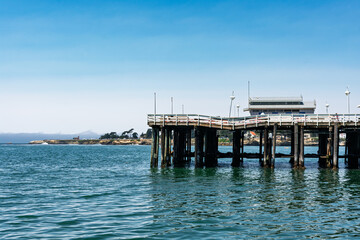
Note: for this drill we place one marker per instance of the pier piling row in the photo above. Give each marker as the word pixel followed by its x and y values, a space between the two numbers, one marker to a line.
pixel 175 133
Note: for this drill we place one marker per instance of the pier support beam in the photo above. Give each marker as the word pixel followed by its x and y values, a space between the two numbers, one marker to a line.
pixel 267 149
pixel 260 146
pixel 165 147
pixel 242 146
pixel 301 150
pixel 353 142
pixel 188 144
pixel 296 145
pixel 292 139
pixel 163 143
pixel 168 147
pixel 329 149
pixel 179 147
pixel 273 146
pixel 236 149
pixel 323 138
pixel 199 147
pixel 211 148
pixel 336 147
pixel 155 147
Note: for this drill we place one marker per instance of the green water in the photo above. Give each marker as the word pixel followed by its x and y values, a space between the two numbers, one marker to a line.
pixel 109 192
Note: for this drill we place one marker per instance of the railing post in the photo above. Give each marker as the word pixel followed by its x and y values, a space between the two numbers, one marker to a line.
pixel 198 119
pixel 187 119
pixel 304 119
pixel 176 119
pixel 222 123
pixel 256 119
pixel 317 119
pixel 268 120
pixel 210 122
pixel 163 120
pixel 356 120
pixel 292 119
pixel 280 119
pixel 344 119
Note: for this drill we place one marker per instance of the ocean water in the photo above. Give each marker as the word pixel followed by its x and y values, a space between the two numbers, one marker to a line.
pixel 109 192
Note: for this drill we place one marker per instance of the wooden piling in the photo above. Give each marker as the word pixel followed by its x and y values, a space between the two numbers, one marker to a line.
pixel 323 138
pixel 242 146
pixel 329 149
pixel 179 147
pixel 346 150
pixel 188 144
pixel 301 150
pixel 236 149
pixel 210 148
pixel 266 147
pixel 296 145
pixel 353 138
pixel 336 146
pixel 163 143
pixel 155 147
pixel 260 146
pixel 292 146
pixel 182 145
pixel 168 147
pixel 199 147
pixel 274 146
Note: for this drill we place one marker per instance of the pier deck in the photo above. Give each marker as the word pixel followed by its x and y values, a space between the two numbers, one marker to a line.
pixel 179 127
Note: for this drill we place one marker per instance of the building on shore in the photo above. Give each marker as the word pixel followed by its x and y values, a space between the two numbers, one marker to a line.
pixel 280 105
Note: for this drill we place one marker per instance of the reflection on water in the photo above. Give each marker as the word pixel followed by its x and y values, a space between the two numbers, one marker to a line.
pixel 257 202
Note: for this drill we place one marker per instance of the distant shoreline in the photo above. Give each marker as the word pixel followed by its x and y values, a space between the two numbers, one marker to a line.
pixel 142 142
pixel 96 141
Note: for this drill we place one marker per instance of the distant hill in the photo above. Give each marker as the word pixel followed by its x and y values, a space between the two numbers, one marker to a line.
pixel 27 137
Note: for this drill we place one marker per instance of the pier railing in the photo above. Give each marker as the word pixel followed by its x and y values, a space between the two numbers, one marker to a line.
pixel 316 120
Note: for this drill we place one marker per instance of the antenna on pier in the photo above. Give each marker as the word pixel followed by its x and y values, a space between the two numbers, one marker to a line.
pixel 248 93
pixel 154 103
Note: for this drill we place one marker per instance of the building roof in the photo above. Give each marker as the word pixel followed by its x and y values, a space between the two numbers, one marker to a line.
pixel 275 99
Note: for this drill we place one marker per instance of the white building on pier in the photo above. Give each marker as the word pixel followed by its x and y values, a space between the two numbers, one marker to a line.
pixel 280 105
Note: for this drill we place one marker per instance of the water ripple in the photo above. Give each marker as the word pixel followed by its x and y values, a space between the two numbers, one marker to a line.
pixel 109 192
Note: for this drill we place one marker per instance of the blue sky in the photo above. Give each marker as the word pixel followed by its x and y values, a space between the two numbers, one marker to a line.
pixel 71 66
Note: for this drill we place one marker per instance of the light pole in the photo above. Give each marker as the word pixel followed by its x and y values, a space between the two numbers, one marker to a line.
pixel 347 93
pixel 238 107
pixel 154 103
pixel 232 97
pixel 327 108
pixel 172 105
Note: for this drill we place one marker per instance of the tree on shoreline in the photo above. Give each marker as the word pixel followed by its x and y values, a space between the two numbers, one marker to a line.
pixel 130 134
pixel 111 135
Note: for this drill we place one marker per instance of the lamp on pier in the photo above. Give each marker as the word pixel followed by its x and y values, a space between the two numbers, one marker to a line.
pixel 347 93
pixel 327 108
pixel 232 97
pixel 238 112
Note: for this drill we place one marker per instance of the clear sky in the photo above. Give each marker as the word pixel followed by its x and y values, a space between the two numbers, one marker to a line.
pixel 71 66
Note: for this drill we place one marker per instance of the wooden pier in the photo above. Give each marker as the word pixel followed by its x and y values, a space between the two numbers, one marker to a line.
pixel 174 132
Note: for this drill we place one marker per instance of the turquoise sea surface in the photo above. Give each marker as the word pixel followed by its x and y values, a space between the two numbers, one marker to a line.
pixel 110 192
